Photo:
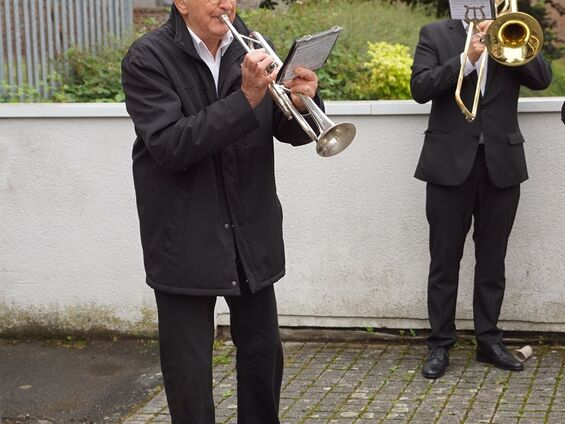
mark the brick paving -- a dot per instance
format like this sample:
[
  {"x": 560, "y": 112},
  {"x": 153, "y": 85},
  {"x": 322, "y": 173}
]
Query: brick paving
[{"x": 349, "y": 383}]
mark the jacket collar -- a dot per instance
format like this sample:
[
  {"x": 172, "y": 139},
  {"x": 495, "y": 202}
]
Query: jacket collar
[
  {"x": 184, "y": 40},
  {"x": 458, "y": 30},
  {"x": 182, "y": 36},
  {"x": 232, "y": 56}
]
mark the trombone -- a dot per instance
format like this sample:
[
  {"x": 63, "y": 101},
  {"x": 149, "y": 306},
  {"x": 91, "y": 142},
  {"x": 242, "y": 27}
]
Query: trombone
[
  {"x": 513, "y": 39},
  {"x": 333, "y": 138}
]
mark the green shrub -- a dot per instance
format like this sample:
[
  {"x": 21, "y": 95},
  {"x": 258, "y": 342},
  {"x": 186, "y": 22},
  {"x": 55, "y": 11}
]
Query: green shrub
[
  {"x": 389, "y": 72},
  {"x": 361, "y": 20},
  {"x": 338, "y": 78},
  {"x": 92, "y": 76},
  {"x": 18, "y": 93},
  {"x": 354, "y": 70}
]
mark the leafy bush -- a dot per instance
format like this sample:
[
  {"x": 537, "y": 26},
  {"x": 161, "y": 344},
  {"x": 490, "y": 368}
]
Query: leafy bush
[
  {"x": 19, "y": 93},
  {"x": 353, "y": 71},
  {"x": 92, "y": 76},
  {"x": 338, "y": 78},
  {"x": 389, "y": 72},
  {"x": 361, "y": 20}
]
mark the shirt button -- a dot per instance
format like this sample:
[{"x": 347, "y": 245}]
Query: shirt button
[
  {"x": 226, "y": 226},
  {"x": 234, "y": 283}
]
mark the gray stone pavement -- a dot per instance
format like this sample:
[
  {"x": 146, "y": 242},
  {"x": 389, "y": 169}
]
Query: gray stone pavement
[{"x": 348, "y": 383}]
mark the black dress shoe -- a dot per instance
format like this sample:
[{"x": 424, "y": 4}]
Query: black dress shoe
[
  {"x": 436, "y": 363},
  {"x": 497, "y": 355}
]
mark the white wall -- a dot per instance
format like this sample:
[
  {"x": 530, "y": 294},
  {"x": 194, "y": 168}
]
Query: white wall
[{"x": 355, "y": 229}]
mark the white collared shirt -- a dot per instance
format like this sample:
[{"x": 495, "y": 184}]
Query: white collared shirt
[
  {"x": 469, "y": 67},
  {"x": 213, "y": 62}
]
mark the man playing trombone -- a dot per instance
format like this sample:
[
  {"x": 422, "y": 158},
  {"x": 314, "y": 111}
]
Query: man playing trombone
[
  {"x": 210, "y": 219},
  {"x": 473, "y": 172}
]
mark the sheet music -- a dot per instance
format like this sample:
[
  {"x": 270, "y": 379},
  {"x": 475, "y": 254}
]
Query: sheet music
[
  {"x": 472, "y": 10},
  {"x": 309, "y": 52}
]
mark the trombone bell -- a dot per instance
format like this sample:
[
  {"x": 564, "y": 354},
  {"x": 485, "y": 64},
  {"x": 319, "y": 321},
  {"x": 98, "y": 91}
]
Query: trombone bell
[
  {"x": 513, "y": 33},
  {"x": 515, "y": 38}
]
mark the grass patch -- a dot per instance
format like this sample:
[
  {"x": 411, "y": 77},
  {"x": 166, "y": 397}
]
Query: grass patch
[
  {"x": 345, "y": 76},
  {"x": 362, "y": 21},
  {"x": 69, "y": 342},
  {"x": 222, "y": 353}
]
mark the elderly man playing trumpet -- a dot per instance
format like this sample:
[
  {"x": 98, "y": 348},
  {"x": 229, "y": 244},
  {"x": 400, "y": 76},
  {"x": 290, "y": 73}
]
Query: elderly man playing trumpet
[
  {"x": 473, "y": 172},
  {"x": 210, "y": 219}
]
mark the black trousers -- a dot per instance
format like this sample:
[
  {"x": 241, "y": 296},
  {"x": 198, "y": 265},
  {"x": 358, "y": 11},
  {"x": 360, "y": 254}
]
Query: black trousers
[
  {"x": 449, "y": 211},
  {"x": 186, "y": 337}
]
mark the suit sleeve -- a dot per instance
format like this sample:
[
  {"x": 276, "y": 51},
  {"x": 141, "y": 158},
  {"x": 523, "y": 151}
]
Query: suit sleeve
[
  {"x": 430, "y": 78},
  {"x": 174, "y": 140},
  {"x": 535, "y": 74}
]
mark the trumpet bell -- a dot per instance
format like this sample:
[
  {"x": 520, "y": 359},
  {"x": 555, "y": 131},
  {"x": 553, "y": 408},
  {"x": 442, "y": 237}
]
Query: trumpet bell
[
  {"x": 514, "y": 39},
  {"x": 335, "y": 139}
]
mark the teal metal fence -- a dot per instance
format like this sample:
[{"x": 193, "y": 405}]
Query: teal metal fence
[{"x": 34, "y": 33}]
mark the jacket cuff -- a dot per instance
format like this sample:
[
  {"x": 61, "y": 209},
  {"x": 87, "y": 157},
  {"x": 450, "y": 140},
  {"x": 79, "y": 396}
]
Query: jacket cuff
[{"x": 241, "y": 112}]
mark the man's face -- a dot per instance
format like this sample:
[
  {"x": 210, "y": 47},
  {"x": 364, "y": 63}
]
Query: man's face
[{"x": 203, "y": 17}]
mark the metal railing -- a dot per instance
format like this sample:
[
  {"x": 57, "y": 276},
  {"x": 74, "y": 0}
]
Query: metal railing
[{"x": 34, "y": 33}]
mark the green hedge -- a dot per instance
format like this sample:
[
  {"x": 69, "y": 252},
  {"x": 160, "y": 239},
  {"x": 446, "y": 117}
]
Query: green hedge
[
  {"x": 349, "y": 71},
  {"x": 389, "y": 72},
  {"x": 371, "y": 59},
  {"x": 92, "y": 77}
]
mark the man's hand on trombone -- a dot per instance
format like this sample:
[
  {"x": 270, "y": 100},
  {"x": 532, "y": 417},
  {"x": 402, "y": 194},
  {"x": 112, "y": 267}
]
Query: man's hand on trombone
[{"x": 477, "y": 45}]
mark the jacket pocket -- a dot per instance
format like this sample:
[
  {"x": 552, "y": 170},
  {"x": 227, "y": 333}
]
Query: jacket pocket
[
  {"x": 515, "y": 138},
  {"x": 175, "y": 226}
]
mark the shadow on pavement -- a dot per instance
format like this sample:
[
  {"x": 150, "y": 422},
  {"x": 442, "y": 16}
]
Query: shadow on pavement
[{"x": 75, "y": 381}]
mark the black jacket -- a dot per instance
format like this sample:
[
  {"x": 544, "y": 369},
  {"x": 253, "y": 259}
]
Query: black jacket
[
  {"x": 450, "y": 142},
  {"x": 203, "y": 167}
]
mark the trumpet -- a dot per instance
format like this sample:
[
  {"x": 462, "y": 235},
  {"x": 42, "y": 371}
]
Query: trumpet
[
  {"x": 331, "y": 138},
  {"x": 513, "y": 39}
]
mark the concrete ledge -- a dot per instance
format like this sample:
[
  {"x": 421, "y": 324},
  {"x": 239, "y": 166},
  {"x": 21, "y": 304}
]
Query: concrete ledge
[
  {"x": 356, "y": 236},
  {"x": 63, "y": 110},
  {"x": 334, "y": 108}
]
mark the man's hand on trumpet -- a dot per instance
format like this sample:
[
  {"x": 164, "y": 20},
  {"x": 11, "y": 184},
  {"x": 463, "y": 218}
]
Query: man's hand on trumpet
[
  {"x": 305, "y": 82},
  {"x": 255, "y": 79},
  {"x": 254, "y": 76}
]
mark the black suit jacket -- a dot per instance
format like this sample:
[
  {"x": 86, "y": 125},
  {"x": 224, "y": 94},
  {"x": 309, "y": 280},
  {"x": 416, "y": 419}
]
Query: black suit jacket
[{"x": 450, "y": 142}]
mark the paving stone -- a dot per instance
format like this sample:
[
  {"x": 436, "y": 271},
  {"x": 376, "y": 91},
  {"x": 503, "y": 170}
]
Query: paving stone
[{"x": 333, "y": 383}]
